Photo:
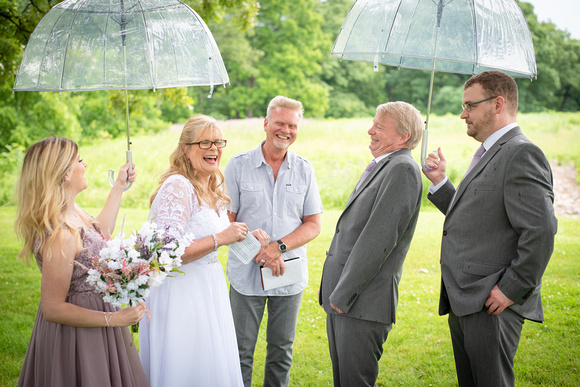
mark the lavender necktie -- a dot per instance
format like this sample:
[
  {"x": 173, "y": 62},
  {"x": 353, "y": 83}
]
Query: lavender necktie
[
  {"x": 476, "y": 157},
  {"x": 366, "y": 172}
]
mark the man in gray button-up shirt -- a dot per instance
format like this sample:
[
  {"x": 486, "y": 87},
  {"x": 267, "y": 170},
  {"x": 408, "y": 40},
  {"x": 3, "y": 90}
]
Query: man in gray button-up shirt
[{"x": 274, "y": 189}]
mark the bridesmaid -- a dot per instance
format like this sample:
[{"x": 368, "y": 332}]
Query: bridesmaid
[{"x": 77, "y": 339}]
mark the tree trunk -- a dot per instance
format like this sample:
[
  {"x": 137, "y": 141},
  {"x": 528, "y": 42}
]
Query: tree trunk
[
  {"x": 250, "y": 111},
  {"x": 565, "y": 98}
]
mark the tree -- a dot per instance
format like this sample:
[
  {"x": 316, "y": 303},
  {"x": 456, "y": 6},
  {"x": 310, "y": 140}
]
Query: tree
[
  {"x": 26, "y": 117},
  {"x": 557, "y": 58},
  {"x": 280, "y": 55},
  {"x": 94, "y": 112}
]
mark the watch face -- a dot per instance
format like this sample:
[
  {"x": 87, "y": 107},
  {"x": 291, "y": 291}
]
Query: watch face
[{"x": 282, "y": 246}]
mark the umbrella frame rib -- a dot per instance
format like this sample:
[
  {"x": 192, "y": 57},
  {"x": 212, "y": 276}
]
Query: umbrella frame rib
[{"x": 138, "y": 8}]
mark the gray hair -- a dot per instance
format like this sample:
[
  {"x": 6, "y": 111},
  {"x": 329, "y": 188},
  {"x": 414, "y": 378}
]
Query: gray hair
[
  {"x": 408, "y": 120},
  {"x": 285, "y": 102}
]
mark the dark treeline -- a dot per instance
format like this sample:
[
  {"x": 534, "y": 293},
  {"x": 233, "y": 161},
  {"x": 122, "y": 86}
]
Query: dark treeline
[{"x": 269, "y": 48}]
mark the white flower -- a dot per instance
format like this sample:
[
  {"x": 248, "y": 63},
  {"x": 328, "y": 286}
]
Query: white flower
[
  {"x": 113, "y": 265},
  {"x": 133, "y": 254},
  {"x": 123, "y": 300},
  {"x": 141, "y": 280},
  {"x": 171, "y": 246},
  {"x": 165, "y": 260},
  {"x": 156, "y": 278},
  {"x": 143, "y": 292}
]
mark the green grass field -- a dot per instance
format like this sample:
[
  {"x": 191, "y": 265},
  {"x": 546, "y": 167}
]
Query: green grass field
[{"x": 418, "y": 351}]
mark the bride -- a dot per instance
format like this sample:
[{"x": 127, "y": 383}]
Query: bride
[{"x": 190, "y": 338}]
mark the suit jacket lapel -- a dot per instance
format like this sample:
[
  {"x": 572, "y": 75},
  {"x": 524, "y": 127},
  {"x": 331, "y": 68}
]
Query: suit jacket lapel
[
  {"x": 485, "y": 159},
  {"x": 376, "y": 170}
]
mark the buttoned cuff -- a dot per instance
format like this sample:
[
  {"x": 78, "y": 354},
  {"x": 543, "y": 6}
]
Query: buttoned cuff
[{"x": 435, "y": 188}]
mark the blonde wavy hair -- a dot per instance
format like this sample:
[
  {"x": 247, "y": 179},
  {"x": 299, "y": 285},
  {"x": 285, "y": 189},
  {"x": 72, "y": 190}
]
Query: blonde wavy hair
[
  {"x": 41, "y": 194},
  {"x": 179, "y": 164}
]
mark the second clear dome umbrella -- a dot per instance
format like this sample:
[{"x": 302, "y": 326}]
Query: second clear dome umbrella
[
  {"x": 82, "y": 45},
  {"x": 458, "y": 36}
]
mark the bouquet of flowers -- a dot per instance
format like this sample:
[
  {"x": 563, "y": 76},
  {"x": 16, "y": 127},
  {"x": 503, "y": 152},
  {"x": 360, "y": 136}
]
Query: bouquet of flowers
[{"x": 128, "y": 267}]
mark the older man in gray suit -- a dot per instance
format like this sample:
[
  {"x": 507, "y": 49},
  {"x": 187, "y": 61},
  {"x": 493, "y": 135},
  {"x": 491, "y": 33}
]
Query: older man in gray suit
[
  {"x": 365, "y": 261},
  {"x": 498, "y": 234}
]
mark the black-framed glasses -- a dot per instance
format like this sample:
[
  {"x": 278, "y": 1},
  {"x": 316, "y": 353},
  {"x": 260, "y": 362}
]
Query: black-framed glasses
[
  {"x": 469, "y": 105},
  {"x": 206, "y": 144}
]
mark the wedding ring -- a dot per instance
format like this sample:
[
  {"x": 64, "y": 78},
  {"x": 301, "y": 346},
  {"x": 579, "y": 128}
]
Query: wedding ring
[{"x": 262, "y": 261}]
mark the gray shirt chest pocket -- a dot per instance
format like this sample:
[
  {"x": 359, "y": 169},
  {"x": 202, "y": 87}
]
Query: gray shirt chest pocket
[
  {"x": 295, "y": 196},
  {"x": 252, "y": 194}
]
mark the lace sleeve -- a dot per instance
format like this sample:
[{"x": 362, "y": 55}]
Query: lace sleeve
[{"x": 174, "y": 205}]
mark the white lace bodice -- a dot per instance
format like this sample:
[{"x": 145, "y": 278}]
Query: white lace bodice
[{"x": 176, "y": 205}]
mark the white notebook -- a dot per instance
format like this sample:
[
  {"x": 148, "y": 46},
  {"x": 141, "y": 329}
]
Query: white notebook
[{"x": 292, "y": 275}]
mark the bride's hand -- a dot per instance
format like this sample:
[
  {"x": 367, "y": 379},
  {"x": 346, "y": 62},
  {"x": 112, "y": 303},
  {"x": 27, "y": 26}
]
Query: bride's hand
[{"x": 235, "y": 232}]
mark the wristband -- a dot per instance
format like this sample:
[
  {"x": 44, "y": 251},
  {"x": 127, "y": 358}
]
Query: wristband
[
  {"x": 215, "y": 244},
  {"x": 108, "y": 320}
]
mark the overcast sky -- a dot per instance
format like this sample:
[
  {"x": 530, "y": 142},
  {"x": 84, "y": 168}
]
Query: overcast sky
[{"x": 563, "y": 13}]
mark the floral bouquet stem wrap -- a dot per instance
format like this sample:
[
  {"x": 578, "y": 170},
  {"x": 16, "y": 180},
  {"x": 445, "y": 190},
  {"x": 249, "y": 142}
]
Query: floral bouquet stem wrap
[{"x": 127, "y": 267}]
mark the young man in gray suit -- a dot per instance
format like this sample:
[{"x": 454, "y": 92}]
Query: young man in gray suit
[
  {"x": 498, "y": 234},
  {"x": 365, "y": 260}
]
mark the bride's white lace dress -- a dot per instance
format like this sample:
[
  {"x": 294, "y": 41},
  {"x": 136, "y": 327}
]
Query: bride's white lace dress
[{"x": 190, "y": 339}]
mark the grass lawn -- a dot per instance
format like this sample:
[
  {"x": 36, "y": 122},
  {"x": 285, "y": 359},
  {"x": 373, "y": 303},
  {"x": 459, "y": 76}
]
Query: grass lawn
[{"x": 418, "y": 351}]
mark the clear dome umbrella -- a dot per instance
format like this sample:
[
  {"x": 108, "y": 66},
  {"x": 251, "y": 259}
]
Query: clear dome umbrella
[
  {"x": 457, "y": 36},
  {"x": 82, "y": 45}
]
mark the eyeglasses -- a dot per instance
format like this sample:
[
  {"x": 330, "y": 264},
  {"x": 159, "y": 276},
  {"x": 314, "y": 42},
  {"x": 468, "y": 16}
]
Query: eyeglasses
[
  {"x": 469, "y": 105},
  {"x": 206, "y": 144}
]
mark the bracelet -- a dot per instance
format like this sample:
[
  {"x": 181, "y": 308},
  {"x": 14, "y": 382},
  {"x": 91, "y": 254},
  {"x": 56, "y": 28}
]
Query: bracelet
[
  {"x": 215, "y": 244},
  {"x": 108, "y": 320}
]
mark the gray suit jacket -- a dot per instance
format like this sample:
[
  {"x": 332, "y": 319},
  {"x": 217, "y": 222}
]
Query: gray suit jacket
[
  {"x": 499, "y": 229},
  {"x": 364, "y": 264}
]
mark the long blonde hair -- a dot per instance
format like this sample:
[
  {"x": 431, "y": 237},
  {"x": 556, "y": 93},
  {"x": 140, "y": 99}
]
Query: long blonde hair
[
  {"x": 179, "y": 164},
  {"x": 41, "y": 195}
]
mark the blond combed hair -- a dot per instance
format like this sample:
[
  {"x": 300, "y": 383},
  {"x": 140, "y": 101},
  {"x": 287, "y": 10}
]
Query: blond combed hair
[
  {"x": 284, "y": 102},
  {"x": 179, "y": 164},
  {"x": 41, "y": 194},
  {"x": 408, "y": 120}
]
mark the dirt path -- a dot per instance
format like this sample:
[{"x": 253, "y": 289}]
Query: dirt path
[{"x": 566, "y": 191}]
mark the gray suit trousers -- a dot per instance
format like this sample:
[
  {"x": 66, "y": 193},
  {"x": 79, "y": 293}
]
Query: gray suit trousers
[
  {"x": 280, "y": 332},
  {"x": 356, "y": 346},
  {"x": 484, "y": 347}
]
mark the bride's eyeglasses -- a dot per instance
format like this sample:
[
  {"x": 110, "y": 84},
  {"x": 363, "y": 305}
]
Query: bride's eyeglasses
[{"x": 206, "y": 144}]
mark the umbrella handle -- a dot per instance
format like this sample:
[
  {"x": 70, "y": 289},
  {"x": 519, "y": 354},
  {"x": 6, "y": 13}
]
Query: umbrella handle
[
  {"x": 424, "y": 145},
  {"x": 112, "y": 171}
]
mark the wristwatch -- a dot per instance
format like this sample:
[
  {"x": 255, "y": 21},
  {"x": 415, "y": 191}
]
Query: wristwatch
[{"x": 282, "y": 246}]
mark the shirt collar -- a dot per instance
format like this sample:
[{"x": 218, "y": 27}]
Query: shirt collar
[
  {"x": 379, "y": 158},
  {"x": 492, "y": 139},
  {"x": 258, "y": 157}
]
